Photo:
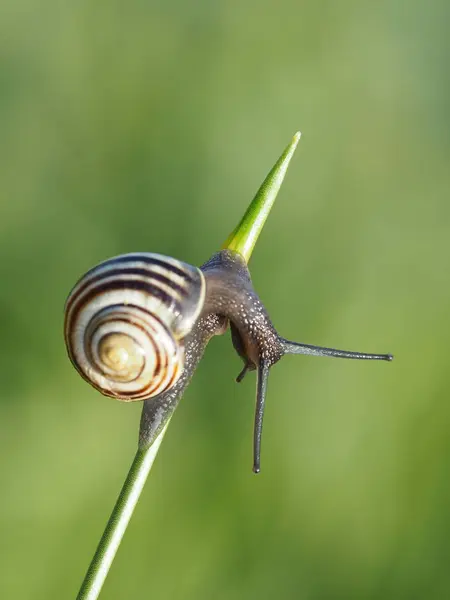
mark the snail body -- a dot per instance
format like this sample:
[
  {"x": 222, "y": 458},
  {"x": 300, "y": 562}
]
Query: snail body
[{"x": 136, "y": 327}]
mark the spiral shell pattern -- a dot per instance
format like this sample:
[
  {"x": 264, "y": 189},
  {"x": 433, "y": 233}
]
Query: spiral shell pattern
[{"x": 125, "y": 321}]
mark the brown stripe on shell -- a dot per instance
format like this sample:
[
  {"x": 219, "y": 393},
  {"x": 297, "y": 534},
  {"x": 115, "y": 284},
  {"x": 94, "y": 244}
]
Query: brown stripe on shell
[
  {"x": 76, "y": 304},
  {"x": 178, "y": 287},
  {"x": 149, "y": 259},
  {"x": 146, "y": 274}
]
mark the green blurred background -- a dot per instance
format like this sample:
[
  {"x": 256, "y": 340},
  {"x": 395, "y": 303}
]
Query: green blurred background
[{"x": 149, "y": 126}]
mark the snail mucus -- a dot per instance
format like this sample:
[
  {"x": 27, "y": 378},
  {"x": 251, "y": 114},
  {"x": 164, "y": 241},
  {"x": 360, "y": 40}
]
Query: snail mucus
[{"x": 136, "y": 327}]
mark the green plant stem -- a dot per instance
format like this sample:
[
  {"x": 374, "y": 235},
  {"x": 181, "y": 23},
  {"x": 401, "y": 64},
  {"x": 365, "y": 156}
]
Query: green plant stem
[
  {"x": 242, "y": 240},
  {"x": 118, "y": 521},
  {"x": 244, "y": 237}
]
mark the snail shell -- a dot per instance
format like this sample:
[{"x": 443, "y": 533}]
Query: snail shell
[{"x": 125, "y": 321}]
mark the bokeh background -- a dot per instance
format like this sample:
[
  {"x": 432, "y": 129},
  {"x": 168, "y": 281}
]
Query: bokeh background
[{"x": 149, "y": 126}]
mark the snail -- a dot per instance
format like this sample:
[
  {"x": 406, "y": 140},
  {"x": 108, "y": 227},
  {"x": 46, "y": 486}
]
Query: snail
[{"x": 136, "y": 326}]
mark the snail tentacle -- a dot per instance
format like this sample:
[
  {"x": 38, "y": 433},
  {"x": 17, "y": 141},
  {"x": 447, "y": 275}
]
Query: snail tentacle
[
  {"x": 247, "y": 367},
  {"x": 297, "y": 348},
  {"x": 261, "y": 391}
]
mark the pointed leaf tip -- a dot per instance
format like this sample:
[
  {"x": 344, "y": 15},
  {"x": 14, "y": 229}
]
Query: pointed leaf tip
[{"x": 245, "y": 236}]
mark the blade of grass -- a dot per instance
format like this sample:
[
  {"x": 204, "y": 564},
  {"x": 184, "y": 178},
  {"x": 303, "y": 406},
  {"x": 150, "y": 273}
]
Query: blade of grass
[
  {"x": 242, "y": 240},
  {"x": 245, "y": 236},
  {"x": 119, "y": 519}
]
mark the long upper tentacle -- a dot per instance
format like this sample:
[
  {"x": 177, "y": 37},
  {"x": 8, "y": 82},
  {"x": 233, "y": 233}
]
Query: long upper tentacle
[
  {"x": 297, "y": 348},
  {"x": 261, "y": 391}
]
